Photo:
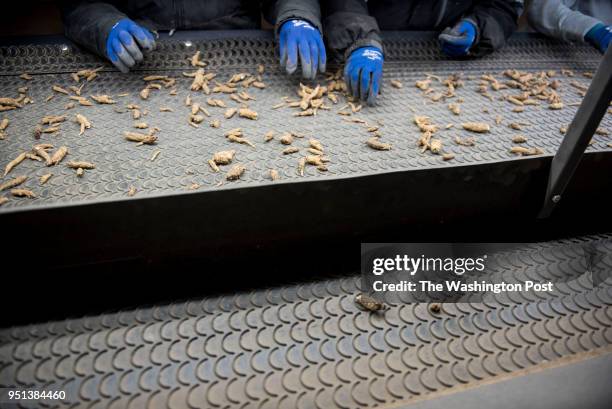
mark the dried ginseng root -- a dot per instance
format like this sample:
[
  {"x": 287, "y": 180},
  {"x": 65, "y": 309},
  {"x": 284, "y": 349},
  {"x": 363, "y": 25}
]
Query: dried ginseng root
[
  {"x": 199, "y": 81},
  {"x": 247, "y": 113},
  {"x": 82, "y": 100},
  {"x": 235, "y": 172},
  {"x": 301, "y": 166},
  {"x": 224, "y": 88},
  {"x": 519, "y": 139},
  {"x": 517, "y": 126},
  {"x": 368, "y": 303},
  {"x": 316, "y": 160},
  {"x": 556, "y": 106},
  {"x": 23, "y": 193},
  {"x": 3, "y": 200},
  {"x": 88, "y": 74},
  {"x": 83, "y": 122},
  {"x": 142, "y": 139},
  {"x": 374, "y": 143},
  {"x": 216, "y": 103},
  {"x": 81, "y": 164},
  {"x": 59, "y": 155},
  {"x": 424, "y": 124},
  {"x": 229, "y": 113},
  {"x": 396, "y": 84},
  {"x": 269, "y": 136},
  {"x": 3, "y": 125},
  {"x": 60, "y": 90},
  {"x": 80, "y": 167},
  {"x": 478, "y": 127},
  {"x": 45, "y": 178},
  {"x": 315, "y": 144},
  {"x": 274, "y": 174},
  {"x": 448, "y": 156},
  {"x": 526, "y": 151},
  {"x": 223, "y": 157},
  {"x": 435, "y": 146},
  {"x": 11, "y": 165},
  {"x": 286, "y": 138},
  {"x": 41, "y": 151},
  {"x": 103, "y": 99},
  {"x": 308, "y": 112},
  {"x": 9, "y": 184},
  {"x": 455, "y": 108},
  {"x": 53, "y": 119},
  {"x": 290, "y": 150},
  {"x": 213, "y": 165},
  {"x": 195, "y": 60},
  {"x": 465, "y": 141},
  {"x": 235, "y": 135},
  {"x": 423, "y": 85}
]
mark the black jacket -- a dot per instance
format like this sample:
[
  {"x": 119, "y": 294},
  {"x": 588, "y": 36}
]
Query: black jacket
[
  {"x": 350, "y": 24},
  {"x": 88, "y": 22}
]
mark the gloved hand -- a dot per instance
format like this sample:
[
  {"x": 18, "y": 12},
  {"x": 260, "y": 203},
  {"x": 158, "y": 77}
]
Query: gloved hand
[
  {"x": 300, "y": 36},
  {"x": 362, "y": 73},
  {"x": 600, "y": 36},
  {"x": 456, "y": 41},
  {"x": 124, "y": 43}
]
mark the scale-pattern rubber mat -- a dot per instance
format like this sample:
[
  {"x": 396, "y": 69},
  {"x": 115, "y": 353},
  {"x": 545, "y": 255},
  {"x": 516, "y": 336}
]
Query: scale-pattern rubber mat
[
  {"x": 310, "y": 346},
  {"x": 182, "y": 164}
]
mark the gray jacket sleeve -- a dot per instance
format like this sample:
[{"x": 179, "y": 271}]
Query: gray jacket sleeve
[
  {"x": 556, "y": 19},
  {"x": 88, "y": 23},
  {"x": 348, "y": 26},
  {"x": 496, "y": 21},
  {"x": 278, "y": 12}
]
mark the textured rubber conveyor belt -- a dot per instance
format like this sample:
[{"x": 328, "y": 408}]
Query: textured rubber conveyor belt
[
  {"x": 181, "y": 166},
  {"x": 310, "y": 346}
]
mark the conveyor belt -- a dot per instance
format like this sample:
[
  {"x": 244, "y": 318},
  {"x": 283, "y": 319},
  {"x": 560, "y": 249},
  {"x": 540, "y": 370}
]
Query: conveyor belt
[
  {"x": 185, "y": 150},
  {"x": 309, "y": 346}
]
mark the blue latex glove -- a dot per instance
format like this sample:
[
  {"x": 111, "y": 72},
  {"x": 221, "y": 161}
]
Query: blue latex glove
[
  {"x": 600, "y": 36},
  {"x": 362, "y": 73},
  {"x": 124, "y": 43},
  {"x": 299, "y": 36},
  {"x": 456, "y": 41}
]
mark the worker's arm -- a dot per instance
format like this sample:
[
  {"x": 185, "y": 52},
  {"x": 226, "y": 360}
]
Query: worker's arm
[
  {"x": 353, "y": 36},
  {"x": 349, "y": 26},
  {"x": 556, "y": 19},
  {"x": 297, "y": 28},
  {"x": 103, "y": 29},
  {"x": 485, "y": 29}
]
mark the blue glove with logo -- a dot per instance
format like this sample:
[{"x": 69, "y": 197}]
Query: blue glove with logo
[
  {"x": 600, "y": 36},
  {"x": 456, "y": 41},
  {"x": 362, "y": 73},
  {"x": 124, "y": 43},
  {"x": 299, "y": 36}
]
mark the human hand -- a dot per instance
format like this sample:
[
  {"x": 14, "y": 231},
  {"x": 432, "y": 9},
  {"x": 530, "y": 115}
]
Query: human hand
[
  {"x": 124, "y": 44},
  {"x": 456, "y": 41},
  {"x": 300, "y": 37},
  {"x": 362, "y": 73}
]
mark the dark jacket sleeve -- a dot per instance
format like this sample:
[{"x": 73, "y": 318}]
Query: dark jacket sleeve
[
  {"x": 348, "y": 26},
  {"x": 278, "y": 12},
  {"x": 496, "y": 21},
  {"x": 88, "y": 23}
]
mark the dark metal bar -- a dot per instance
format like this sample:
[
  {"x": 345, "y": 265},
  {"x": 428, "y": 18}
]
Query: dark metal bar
[{"x": 579, "y": 133}]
